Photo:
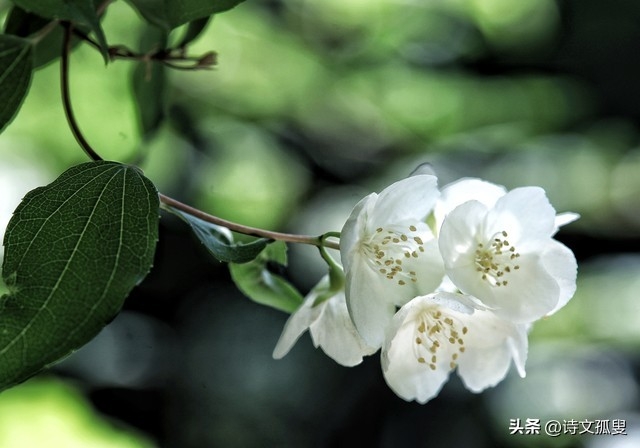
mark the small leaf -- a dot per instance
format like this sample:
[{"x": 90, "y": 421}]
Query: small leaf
[
  {"x": 219, "y": 241},
  {"x": 170, "y": 14},
  {"x": 261, "y": 285},
  {"x": 73, "y": 251},
  {"x": 81, "y": 12},
  {"x": 16, "y": 67}
]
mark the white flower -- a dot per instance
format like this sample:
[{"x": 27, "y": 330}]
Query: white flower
[
  {"x": 463, "y": 190},
  {"x": 502, "y": 252},
  {"x": 468, "y": 189},
  {"x": 330, "y": 327},
  {"x": 433, "y": 334},
  {"x": 389, "y": 254}
]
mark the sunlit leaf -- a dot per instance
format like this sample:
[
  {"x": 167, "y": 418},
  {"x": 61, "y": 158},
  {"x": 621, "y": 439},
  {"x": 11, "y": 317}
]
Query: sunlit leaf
[
  {"x": 54, "y": 414},
  {"x": 170, "y": 14},
  {"x": 16, "y": 67},
  {"x": 73, "y": 251},
  {"x": 219, "y": 241},
  {"x": 261, "y": 285},
  {"x": 82, "y": 12}
]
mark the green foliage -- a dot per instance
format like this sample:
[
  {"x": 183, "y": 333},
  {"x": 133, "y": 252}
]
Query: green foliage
[
  {"x": 81, "y": 12},
  {"x": 219, "y": 242},
  {"x": 262, "y": 286},
  {"x": 73, "y": 251},
  {"x": 170, "y": 14},
  {"x": 16, "y": 67},
  {"x": 24, "y": 24},
  {"x": 54, "y": 414}
]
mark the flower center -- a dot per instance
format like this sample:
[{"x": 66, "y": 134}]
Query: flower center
[
  {"x": 387, "y": 250},
  {"x": 432, "y": 334},
  {"x": 496, "y": 259}
]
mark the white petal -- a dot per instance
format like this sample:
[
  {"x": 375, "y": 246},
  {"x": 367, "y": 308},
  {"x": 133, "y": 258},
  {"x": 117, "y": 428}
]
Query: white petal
[
  {"x": 463, "y": 190},
  {"x": 370, "y": 304},
  {"x": 335, "y": 333},
  {"x": 561, "y": 264},
  {"x": 297, "y": 324},
  {"x": 430, "y": 269},
  {"x": 531, "y": 292},
  {"x": 491, "y": 343},
  {"x": 407, "y": 200},
  {"x": 484, "y": 367},
  {"x": 355, "y": 228},
  {"x": 458, "y": 234},
  {"x": 408, "y": 378},
  {"x": 525, "y": 213},
  {"x": 519, "y": 345},
  {"x": 562, "y": 219},
  {"x": 459, "y": 303}
]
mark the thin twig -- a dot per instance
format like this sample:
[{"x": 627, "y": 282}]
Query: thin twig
[
  {"x": 66, "y": 97},
  {"x": 247, "y": 230},
  {"x": 240, "y": 228},
  {"x": 166, "y": 56}
]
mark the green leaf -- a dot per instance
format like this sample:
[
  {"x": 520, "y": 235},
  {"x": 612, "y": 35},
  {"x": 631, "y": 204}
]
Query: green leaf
[
  {"x": 81, "y": 12},
  {"x": 16, "y": 67},
  {"x": 170, "y": 14},
  {"x": 24, "y": 24},
  {"x": 73, "y": 251},
  {"x": 219, "y": 241},
  {"x": 149, "y": 83},
  {"x": 262, "y": 286}
]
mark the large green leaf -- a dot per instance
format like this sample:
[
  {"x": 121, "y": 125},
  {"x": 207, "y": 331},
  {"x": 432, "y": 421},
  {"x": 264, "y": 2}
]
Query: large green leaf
[
  {"x": 16, "y": 67},
  {"x": 170, "y": 14},
  {"x": 73, "y": 251},
  {"x": 219, "y": 240},
  {"x": 261, "y": 285},
  {"x": 81, "y": 12}
]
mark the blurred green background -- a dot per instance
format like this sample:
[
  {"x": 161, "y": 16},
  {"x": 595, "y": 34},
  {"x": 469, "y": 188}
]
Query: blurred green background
[{"x": 313, "y": 105}]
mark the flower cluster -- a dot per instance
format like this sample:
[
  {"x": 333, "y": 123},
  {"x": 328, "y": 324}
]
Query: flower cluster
[{"x": 441, "y": 280}]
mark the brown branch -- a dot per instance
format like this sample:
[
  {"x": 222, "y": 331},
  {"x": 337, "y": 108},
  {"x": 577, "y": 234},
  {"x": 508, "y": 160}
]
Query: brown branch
[
  {"x": 66, "y": 97},
  {"x": 247, "y": 230}
]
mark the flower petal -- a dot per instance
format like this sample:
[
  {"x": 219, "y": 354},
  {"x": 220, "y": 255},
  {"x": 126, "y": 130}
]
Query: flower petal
[
  {"x": 409, "y": 379},
  {"x": 531, "y": 292},
  {"x": 459, "y": 231},
  {"x": 354, "y": 229},
  {"x": 410, "y": 199},
  {"x": 525, "y": 213},
  {"x": 430, "y": 269},
  {"x": 371, "y": 307},
  {"x": 297, "y": 324},
  {"x": 413, "y": 367},
  {"x": 562, "y": 219},
  {"x": 561, "y": 264},
  {"x": 488, "y": 356},
  {"x": 335, "y": 333},
  {"x": 463, "y": 190}
]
